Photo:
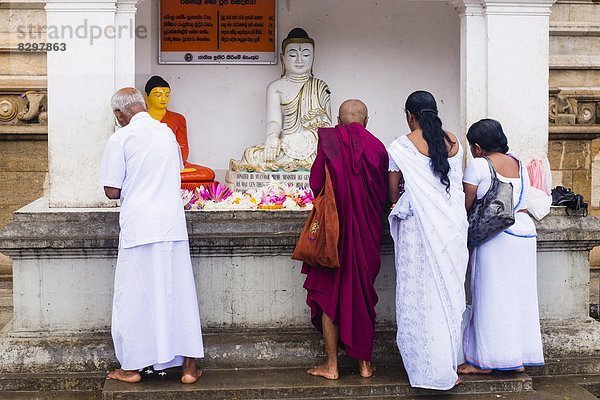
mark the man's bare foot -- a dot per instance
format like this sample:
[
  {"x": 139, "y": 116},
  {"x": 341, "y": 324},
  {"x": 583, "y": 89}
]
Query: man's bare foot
[
  {"x": 469, "y": 369},
  {"x": 125, "y": 376},
  {"x": 458, "y": 382},
  {"x": 522, "y": 369},
  {"x": 190, "y": 371},
  {"x": 326, "y": 371},
  {"x": 366, "y": 369}
]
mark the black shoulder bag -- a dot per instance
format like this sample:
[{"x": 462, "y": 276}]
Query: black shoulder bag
[{"x": 491, "y": 214}]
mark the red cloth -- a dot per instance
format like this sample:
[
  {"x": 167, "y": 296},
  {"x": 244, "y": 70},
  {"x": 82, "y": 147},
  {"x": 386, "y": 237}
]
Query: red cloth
[
  {"x": 178, "y": 125},
  {"x": 358, "y": 163}
]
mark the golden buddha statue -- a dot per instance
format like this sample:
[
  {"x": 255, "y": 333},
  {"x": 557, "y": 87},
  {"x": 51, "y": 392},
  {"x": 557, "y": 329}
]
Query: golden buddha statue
[{"x": 158, "y": 93}]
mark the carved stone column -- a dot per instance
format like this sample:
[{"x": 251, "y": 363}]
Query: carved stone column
[
  {"x": 125, "y": 43},
  {"x": 504, "y": 46}
]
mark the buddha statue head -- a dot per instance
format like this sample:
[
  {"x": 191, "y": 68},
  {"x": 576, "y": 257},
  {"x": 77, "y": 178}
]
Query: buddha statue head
[
  {"x": 297, "y": 53},
  {"x": 158, "y": 93}
]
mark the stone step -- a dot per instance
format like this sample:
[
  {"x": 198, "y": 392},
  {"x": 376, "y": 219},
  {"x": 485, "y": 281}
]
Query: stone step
[
  {"x": 33, "y": 395},
  {"x": 98, "y": 396},
  {"x": 224, "y": 349},
  {"x": 295, "y": 383},
  {"x": 563, "y": 387},
  {"x": 589, "y": 383},
  {"x": 283, "y": 348},
  {"x": 566, "y": 366},
  {"x": 53, "y": 382},
  {"x": 546, "y": 388},
  {"x": 227, "y": 350}
]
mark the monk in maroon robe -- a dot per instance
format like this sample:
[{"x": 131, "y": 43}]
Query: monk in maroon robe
[{"x": 342, "y": 300}]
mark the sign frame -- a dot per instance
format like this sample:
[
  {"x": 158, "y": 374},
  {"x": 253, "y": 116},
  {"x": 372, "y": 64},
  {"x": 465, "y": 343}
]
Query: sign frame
[{"x": 219, "y": 62}]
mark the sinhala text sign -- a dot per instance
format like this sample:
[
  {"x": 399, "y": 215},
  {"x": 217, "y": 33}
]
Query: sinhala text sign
[{"x": 217, "y": 32}]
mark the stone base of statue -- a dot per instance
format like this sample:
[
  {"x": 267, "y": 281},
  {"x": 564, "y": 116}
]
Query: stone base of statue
[{"x": 242, "y": 181}]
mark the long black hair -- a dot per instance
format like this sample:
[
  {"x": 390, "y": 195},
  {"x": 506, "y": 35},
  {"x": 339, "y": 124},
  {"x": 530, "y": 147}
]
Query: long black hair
[
  {"x": 423, "y": 107},
  {"x": 489, "y": 135}
]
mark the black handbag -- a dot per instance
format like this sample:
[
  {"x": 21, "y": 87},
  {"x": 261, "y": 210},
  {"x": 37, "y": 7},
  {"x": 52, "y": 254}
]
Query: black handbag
[
  {"x": 491, "y": 214},
  {"x": 562, "y": 196}
]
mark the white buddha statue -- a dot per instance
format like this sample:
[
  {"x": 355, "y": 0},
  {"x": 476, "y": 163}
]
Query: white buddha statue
[{"x": 297, "y": 105}]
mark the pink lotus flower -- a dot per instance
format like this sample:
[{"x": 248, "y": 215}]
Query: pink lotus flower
[
  {"x": 306, "y": 197},
  {"x": 272, "y": 197},
  {"x": 215, "y": 192}
]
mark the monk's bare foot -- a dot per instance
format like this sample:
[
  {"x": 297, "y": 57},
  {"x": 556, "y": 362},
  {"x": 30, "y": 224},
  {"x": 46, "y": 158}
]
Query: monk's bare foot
[
  {"x": 458, "y": 382},
  {"x": 125, "y": 376},
  {"x": 326, "y": 371},
  {"x": 469, "y": 369},
  {"x": 366, "y": 369},
  {"x": 522, "y": 369},
  {"x": 190, "y": 371}
]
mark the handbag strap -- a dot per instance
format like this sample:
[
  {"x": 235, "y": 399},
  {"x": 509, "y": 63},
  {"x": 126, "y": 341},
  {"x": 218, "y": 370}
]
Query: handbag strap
[
  {"x": 492, "y": 168},
  {"x": 328, "y": 182},
  {"x": 495, "y": 178}
]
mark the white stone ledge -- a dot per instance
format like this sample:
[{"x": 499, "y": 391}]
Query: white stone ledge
[
  {"x": 574, "y": 62},
  {"x": 574, "y": 28},
  {"x": 38, "y": 231}
]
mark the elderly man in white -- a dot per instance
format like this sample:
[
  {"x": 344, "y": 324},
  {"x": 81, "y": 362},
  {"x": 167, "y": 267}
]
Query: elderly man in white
[{"x": 155, "y": 317}]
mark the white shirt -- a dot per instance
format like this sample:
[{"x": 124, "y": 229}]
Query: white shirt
[
  {"x": 478, "y": 174},
  {"x": 143, "y": 159}
]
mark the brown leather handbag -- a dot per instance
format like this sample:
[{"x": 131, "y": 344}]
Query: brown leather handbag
[{"x": 318, "y": 242}]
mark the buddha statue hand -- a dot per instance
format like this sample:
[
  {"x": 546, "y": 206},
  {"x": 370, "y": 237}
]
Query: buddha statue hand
[{"x": 272, "y": 147}]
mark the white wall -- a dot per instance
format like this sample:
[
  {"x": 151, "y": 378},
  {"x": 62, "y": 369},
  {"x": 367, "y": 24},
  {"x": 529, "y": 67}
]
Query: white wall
[{"x": 376, "y": 51}]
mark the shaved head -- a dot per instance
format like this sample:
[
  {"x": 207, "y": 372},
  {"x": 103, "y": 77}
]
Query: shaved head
[{"x": 353, "y": 111}]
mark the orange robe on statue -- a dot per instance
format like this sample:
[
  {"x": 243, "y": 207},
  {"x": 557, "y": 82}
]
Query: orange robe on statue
[{"x": 200, "y": 175}]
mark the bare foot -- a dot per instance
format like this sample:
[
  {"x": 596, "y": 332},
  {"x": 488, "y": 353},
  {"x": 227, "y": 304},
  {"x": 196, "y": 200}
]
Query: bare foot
[
  {"x": 190, "y": 371},
  {"x": 326, "y": 371},
  {"x": 522, "y": 369},
  {"x": 469, "y": 369},
  {"x": 458, "y": 382},
  {"x": 125, "y": 376},
  {"x": 366, "y": 369}
]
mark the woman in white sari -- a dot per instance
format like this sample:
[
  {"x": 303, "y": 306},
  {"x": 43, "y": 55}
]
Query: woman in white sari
[
  {"x": 429, "y": 227},
  {"x": 504, "y": 330}
]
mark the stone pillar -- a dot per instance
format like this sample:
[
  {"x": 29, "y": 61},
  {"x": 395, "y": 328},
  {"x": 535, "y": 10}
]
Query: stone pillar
[
  {"x": 473, "y": 53},
  {"x": 504, "y": 48},
  {"x": 81, "y": 81},
  {"x": 125, "y": 43}
]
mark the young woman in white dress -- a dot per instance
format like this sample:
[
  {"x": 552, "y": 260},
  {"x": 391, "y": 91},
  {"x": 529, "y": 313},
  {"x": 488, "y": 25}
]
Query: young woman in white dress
[
  {"x": 504, "y": 330},
  {"x": 429, "y": 227}
]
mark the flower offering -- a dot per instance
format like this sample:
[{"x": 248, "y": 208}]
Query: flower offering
[{"x": 274, "y": 196}]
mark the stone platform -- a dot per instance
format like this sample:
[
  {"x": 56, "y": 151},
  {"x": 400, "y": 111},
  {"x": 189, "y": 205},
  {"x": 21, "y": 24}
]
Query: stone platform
[{"x": 250, "y": 294}]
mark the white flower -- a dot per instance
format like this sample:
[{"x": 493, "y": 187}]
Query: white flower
[{"x": 290, "y": 204}]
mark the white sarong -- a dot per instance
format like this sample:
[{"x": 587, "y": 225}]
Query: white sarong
[
  {"x": 429, "y": 227},
  {"x": 504, "y": 330},
  {"x": 155, "y": 318}
]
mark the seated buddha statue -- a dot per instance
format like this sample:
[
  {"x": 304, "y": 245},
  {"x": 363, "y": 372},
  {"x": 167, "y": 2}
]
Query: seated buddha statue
[
  {"x": 158, "y": 93},
  {"x": 298, "y": 104}
]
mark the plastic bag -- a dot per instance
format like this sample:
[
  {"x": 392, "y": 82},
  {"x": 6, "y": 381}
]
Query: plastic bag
[
  {"x": 540, "y": 175},
  {"x": 538, "y": 203}
]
